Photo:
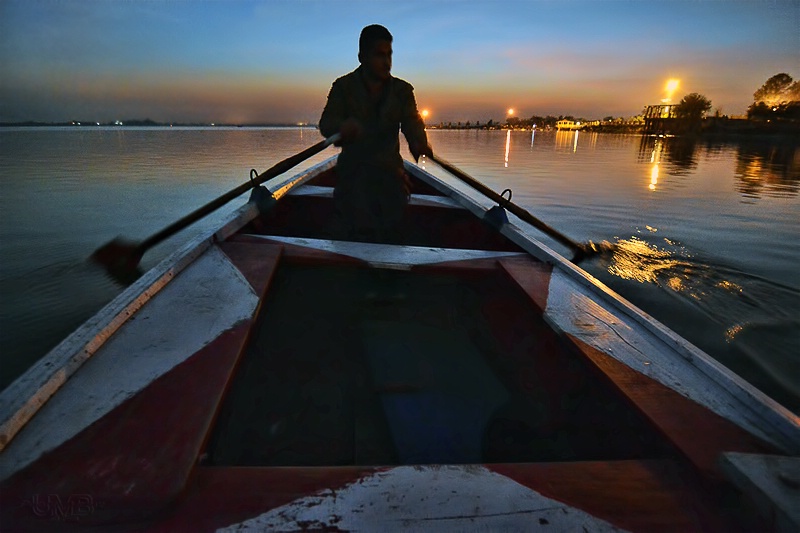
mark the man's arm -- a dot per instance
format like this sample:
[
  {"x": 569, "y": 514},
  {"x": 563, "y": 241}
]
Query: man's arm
[
  {"x": 413, "y": 127},
  {"x": 334, "y": 117}
]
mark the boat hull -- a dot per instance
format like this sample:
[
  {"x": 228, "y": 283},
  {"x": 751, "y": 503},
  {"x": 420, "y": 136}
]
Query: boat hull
[{"x": 267, "y": 376}]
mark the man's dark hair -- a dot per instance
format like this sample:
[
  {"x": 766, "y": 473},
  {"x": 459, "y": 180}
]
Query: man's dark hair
[{"x": 370, "y": 35}]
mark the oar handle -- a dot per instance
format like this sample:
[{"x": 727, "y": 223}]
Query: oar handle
[
  {"x": 509, "y": 205},
  {"x": 213, "y": 205}
]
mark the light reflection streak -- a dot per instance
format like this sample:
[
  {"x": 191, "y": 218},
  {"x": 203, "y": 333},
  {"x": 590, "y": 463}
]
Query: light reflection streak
[
  {"x": 655, "y": 159},
  {"x": 654, "y": 177},
  {"x": 508, "y": 145},
  {"x": 565, "y": 141},
  {"x": 593, "y": 136}
]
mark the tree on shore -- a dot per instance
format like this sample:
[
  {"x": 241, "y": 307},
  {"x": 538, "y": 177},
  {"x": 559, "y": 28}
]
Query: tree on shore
[
  {"x": 778, "y": 98},
  {"x": 779, "y": 89},
  {"x": 690, "y": 111},
  {"x": 692, "y": 107}
]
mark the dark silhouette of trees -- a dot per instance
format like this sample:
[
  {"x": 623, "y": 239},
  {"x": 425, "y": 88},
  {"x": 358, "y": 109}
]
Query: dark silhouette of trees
[
  {"x": 778, "y": 98},
  {"x": 777, "y": 90},
  {"x": 692, "y": 107},
  {"x": 690, "y": 112}
]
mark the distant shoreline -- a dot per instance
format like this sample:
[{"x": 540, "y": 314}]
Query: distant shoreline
[
  {"x": 712, "y": 129},
  {"x": 148, "y": 124}
]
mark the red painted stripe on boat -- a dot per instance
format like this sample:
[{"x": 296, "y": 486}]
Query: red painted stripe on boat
[
  {"x": 532, "y": 276},
  {"x": 256, "y": 262},
  {"x": 699, "y": 433},
  {"x": 638, "y": 495},
  {"x": 136, "y": 459},
  {"x": 527, "y": 344},
  {"x": 221, "y": 496}
]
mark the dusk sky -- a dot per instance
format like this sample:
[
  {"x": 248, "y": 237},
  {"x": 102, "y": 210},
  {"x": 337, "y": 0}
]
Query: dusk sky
[{"x": 274, "y": 61}]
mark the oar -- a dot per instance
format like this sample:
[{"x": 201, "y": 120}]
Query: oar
[
  {"x": 121, "y": 258},
  {"x": 581, "y": 250}
]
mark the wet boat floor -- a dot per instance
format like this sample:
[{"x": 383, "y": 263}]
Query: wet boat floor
[{"x": 356, "y": 366}]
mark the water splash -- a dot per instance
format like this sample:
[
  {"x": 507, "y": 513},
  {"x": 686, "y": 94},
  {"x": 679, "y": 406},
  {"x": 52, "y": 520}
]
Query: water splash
[
  {"x": 636, "y": 259},
  {"x": 757, "y": 317}
]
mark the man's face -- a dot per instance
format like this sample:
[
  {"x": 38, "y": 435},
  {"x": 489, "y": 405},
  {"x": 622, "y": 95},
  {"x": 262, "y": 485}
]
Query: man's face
[{"x": 378, "y": 61}]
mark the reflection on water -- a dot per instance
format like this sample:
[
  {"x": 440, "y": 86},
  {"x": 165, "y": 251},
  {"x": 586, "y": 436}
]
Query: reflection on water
[
  {"x": 508, "y": 146},
  {"x": 768, "y": 170},
  {"x": 762, "y": 168},
  {"x": 655, "y": 160},
  {"x": 567, "y": 141},
  {"x": 677, "y": 152},
  {"x": 758, "y": 316},
  {"x": 638, "y": 260}
]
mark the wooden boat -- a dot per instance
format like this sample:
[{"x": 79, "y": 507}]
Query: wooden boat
[{"x": 463, "y": 377}]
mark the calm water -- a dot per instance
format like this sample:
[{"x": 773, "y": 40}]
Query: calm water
[{"x": 708, "y": 234}]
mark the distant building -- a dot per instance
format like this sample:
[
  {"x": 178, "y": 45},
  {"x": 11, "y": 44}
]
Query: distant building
[
  {"x": 569, "y": 125},
  {"x": 660, "y": 111},
  {"x": 659, "y": 118}
]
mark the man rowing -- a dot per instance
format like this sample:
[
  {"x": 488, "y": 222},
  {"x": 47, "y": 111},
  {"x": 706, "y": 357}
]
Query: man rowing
[{"x": 368, "y": 106}]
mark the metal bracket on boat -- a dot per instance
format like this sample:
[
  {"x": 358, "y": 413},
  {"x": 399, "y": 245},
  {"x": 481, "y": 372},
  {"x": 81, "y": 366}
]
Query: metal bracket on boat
[
  {"x": 261, "y": 196},
  {"x": 497, "y": 216}
]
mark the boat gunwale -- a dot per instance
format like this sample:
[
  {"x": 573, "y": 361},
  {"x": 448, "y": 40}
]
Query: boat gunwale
[
  {"x": 29, "y": 392},
  {"x": 764, "y": 408}
]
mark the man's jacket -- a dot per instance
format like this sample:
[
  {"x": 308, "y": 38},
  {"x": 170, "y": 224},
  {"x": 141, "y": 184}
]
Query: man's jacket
[{"x": 379, "y": 146}]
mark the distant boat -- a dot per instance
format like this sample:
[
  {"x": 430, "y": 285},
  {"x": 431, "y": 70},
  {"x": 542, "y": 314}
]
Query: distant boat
[{"x": 569, "y": 125}]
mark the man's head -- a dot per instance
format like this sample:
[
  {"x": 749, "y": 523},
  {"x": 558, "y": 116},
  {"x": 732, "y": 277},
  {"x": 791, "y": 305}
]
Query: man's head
[{"x": 375, "y": 51}]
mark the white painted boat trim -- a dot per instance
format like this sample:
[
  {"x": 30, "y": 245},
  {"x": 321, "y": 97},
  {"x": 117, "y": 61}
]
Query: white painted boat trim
[
  {"x": 281, "y": 186},
  {"x": 415, "y": 199},
  {"x": 389, "y": 256},
  {"x": 772, "y": 482},
  {"x": 753, "y": 408},
  {"x": 427, "y": 499},
  {"x": 208, "y": 298},
  {"x": 27, "y": 394}
]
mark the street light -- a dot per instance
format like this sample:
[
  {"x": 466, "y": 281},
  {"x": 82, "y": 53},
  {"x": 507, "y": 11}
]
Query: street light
[{"x": 671, "y": 87}]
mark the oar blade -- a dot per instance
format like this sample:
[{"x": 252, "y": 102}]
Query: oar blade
[
  {"x": 592, "y": 249},
  {"x": 120, "y": 259}
]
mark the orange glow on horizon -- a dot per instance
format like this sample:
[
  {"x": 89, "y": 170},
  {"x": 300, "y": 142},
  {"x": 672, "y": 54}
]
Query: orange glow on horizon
[{"x": 425, "y": 113}]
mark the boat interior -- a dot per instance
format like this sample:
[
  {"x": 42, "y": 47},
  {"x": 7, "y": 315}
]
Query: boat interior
[{"x": 443, "y": 363}]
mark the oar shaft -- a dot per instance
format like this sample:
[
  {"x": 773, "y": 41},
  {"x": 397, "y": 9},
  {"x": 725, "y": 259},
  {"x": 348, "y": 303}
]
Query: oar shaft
[
  {"x": 508, "y": 204},
  {"x": 213, "y": 205}
]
